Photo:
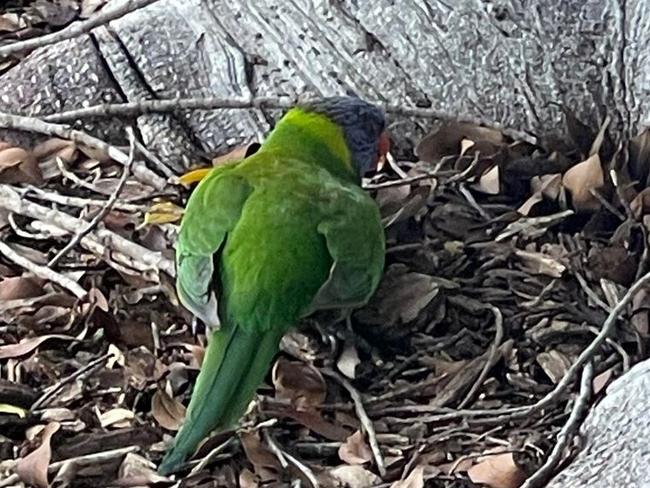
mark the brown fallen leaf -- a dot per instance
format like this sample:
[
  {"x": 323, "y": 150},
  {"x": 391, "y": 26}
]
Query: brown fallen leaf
[
  {"x": 640, "y": 205},
  {"x": 240, "y": 152},
  {"x": 55, "y": 148},
  {"x": 265, "y": 463},
  {"x": 543, "y": 187},
  {"x": 489, "y": 182},
  {"x": 136, "y": 470},
  {"x": 401, "y": 296},
  {"x": 19, "y": 166},
  {"x": 167, "y": 411},
  {"x": 447, "y": 140},
  {"x": 602, "y": 380},
  {"x": 300, "y": 383},
  {"x": 247, "y": 479},
  {"x": 17, "y": 287},
  {"x": 354, "y": 476},
  {"x": 314, "y": 421},
  {"x": 348, "y": 361},
  {"x": 28, "y": 345},
  {"x": 540, "y": 263},
  {"x": 11, "y": 22},
  {"x": 580, "y": 179},
  {"x": 116, "y": 417},
  {"x": 415, "y": 479},
  {"x": 497, "y": 471},
  {"x": 355, "y": 450},
  {"x": 614, "y": 262},
  {"x": 554, "y": 363},
  {"x": 32, "y": 469}
]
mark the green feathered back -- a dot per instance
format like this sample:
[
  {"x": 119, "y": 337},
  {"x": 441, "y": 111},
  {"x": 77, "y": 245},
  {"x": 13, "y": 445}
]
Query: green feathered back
[{"x": 263, "y": 243}]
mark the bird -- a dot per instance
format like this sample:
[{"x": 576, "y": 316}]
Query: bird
[{"x": 270, "y": 239}]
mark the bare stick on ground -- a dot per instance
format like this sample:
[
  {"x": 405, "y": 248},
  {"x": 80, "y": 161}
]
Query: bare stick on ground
[
  {"x": 366, "y": 423},
  {"x": 101, "y": 242},
  {"x": 107, "y": 14},
  {"x": 43, "y": 271},
  {"x": 171, "y": 105},
  {"x": 542, "y": 475},
  {"x": 32, "y": 124},
  {"x": 104, "y": 210},
  {"x": 94, "y": 459},
  {"x": 489, "y": 363},
  {"x": 49, "y": 393}
]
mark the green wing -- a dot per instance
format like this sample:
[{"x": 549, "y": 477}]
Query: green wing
[
  {"x": 355, "y": 241},
  {"x": 212, "y": 211}
]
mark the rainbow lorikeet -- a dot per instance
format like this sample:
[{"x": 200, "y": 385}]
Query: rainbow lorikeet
[{"x": 270, "y": 239}]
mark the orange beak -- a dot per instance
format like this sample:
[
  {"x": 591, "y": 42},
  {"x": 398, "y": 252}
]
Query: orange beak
[{"x": 383, "y": 149}]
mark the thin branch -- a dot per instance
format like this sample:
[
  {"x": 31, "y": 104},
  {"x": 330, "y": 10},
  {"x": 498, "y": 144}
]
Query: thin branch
[
  {"x": 101, "y": 241},
  {"x": 107, "y": 14},
  {"x": 104, "y": 210},
  {"x": 511, "y": 413},
  {"x": 210, "y": 456},
  {"x": 141, "y": 107},
  {"x": 569, "y": 429},
  {"x": 70, "y": 201},
  {"x": 366, "y": 423},
  {"x": 32, "y": 124},
  {"x": 94, "y": 459},
  {"x": 489, "y": 363},
  {"x": 43, "y": 271},
  {"x": 285, "y": 459},
  {"x": 407, "y": 181},
  {"x": 171, "y": 105},
  {"x": 155, "y": 160},
  {"x": 49, "y": 393}
]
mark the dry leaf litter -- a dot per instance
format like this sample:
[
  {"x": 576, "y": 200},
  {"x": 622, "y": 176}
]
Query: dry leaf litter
[{"x": 503, "y": 261}]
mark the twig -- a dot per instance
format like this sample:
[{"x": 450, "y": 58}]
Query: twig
[
  {"x": 472, "y": 201},
  {"x": 304, "y": 469},
  {"x": 395, "y": 167},
  {"x": 80, "y": 461},
  {"x": 489, "y": 363},
  {"x": 207, "y": 103},
  {"x": 130, "y": 109},
  {"x": 588, "y": 353},
  {"x": 153, "y": 159},
  {"x": 210, "y": 456},
  {"x": 618, "y": 348},
  {"x": 99, "y": 241},
  {"x": 366, "y": 423},
  {"x": 43, "y": 271},
  {"x": 111, "y": 12},
  {"x": 23, "y": 233},
  {"x": 71, "y": 201},
  {"x": 103, "y": 211},
  {"x": 67, "y": 174},
  {"x": 275, "y": 449},
  {"x": 512, "y": 413},
  {"x": 591, "y": 293},
  {"x": 45, "y": 398},
  {"x": 32, "y": 124},
  {"x": 409, "y": 180},
  {"x": 569, "y": 429},
  {"x": 524, "y": 224}
]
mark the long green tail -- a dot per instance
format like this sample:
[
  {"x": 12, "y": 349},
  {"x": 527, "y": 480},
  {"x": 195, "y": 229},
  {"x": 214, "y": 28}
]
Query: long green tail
[{"x": 234, "y": 365}]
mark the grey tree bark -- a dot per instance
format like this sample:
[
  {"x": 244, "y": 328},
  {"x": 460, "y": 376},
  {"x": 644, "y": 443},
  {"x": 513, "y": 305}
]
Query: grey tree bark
[{"x": 512, "y": 62}]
